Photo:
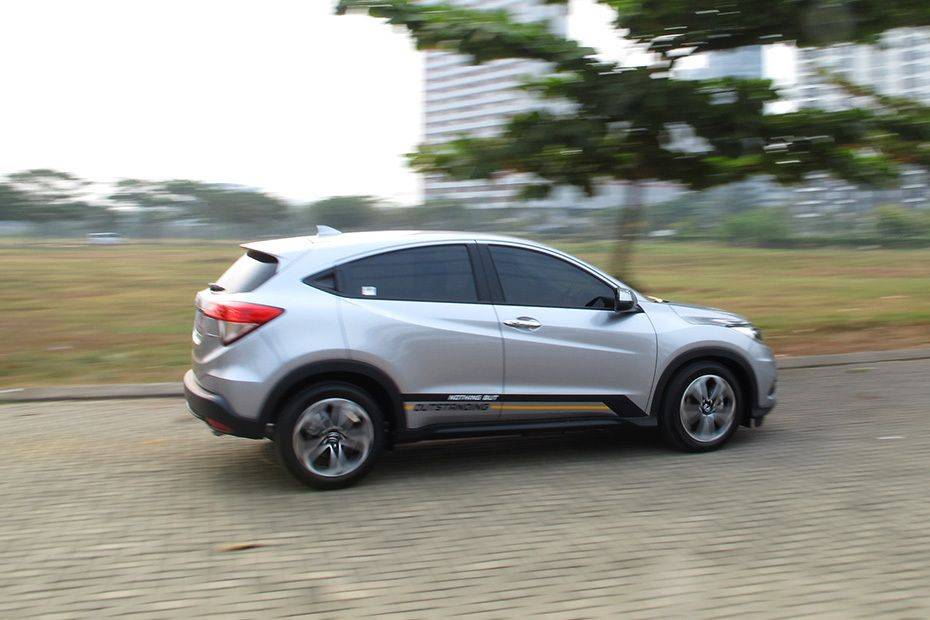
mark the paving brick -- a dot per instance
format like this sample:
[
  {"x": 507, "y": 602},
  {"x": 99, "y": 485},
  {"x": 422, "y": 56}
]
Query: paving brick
[{"x": 132, "y": 508}]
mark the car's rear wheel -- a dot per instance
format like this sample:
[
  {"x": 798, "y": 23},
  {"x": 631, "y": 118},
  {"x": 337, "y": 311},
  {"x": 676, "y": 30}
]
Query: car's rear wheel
[
  {"x": 330, "y": 435},
  {"x": 702, "y": 408}
]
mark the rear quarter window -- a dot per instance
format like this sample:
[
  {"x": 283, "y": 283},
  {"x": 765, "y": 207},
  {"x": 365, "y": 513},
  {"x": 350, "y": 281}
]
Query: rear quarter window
[{"x": 250, "y": 271}]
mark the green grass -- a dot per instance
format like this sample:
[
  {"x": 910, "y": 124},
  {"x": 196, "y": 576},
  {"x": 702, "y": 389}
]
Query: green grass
[{"x": 92, "y": 314}]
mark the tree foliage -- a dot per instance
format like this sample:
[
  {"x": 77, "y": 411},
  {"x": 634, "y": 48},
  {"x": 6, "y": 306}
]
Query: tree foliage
[
  {"x": 14, "y": 203},
  {"x": 679, "y": 27},
  {"x": 224, "y": 202},
  {"x": 195, "y": 200},
  {"x": 44, "y": 195},
  {"x": 893, "y": 222},
  {"x": 343, "y": 212},
  {"x": 620, "y": 123},
  {"x": 760, "y": 226}
]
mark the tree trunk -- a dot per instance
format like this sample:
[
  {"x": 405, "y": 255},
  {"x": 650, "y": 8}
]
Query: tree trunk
[{"x": 630, "y": 222}]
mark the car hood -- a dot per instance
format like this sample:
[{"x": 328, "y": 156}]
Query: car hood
[{"x": 704, "y": 313}]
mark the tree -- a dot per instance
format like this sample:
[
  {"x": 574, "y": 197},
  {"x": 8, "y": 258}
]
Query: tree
[
  {"x": 14, "y": 204},
  {"x": 628, "y": 123},
  {"x": 223, "y": 203},
  {"x": 156, "y": 203},
  {"x": 140, "y": 194},
  {"x": 49, "y": 195},
  {"x": 148, "y": 202},
  {"x": 343, "y": 212},
  {"x": 762, "y": 226},
  {"x": 893, "y": 223},
  {"x": 445, "y": 215}
]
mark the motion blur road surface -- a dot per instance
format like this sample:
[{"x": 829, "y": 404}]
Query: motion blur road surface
[{"x": 131, "y": 506}]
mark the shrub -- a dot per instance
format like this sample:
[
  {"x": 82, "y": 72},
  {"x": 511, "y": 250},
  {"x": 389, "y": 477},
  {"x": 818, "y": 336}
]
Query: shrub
[
  {"x": 894, "y": 222},
  {"x": 760, "y": 226}
]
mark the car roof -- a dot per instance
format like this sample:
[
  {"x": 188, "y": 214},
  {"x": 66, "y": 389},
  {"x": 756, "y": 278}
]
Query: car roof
[
  {"x": 343, "y": 245},
  {"x": 323, "y": 251}
]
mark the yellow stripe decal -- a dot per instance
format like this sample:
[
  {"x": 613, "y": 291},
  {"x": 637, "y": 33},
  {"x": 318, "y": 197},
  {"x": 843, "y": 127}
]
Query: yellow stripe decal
[
  {"x": 589, "y": 407},
  {"x": 524, "y": 407}
]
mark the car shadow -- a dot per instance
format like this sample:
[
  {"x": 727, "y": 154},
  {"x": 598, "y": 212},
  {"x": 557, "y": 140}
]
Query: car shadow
[{"x": 257, "y": 467}]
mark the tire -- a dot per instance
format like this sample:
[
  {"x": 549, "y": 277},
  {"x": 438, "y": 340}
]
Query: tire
[
  {"x": 692, "y": 424},
  {"x": 330, "y": 435}
]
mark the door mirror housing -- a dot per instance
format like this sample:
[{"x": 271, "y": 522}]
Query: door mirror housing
[{"x": 624, "y": 300}]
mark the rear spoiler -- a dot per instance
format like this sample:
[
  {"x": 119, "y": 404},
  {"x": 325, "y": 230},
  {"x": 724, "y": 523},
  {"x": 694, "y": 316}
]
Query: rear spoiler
[{"x": 285, "y": 250}]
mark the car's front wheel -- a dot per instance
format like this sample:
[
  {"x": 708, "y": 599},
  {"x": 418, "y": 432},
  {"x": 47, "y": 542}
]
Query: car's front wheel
[
  {"x": 702, "y": 408},
  {"x": 330, "y": 435}
]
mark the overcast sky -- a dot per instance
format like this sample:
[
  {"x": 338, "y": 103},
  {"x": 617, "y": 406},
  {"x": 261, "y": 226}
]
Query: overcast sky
[{"x": 279, "y": 94}]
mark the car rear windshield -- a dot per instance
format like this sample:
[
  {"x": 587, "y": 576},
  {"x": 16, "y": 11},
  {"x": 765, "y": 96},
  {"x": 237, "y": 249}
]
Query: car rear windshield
[{"x": 250, "y": 271}]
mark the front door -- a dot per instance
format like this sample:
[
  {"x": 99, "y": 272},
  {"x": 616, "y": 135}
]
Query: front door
[{"x": 567, "y": 353}]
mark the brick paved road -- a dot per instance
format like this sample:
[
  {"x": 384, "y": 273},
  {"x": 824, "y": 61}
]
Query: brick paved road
[{"x": 131, "y": 506}]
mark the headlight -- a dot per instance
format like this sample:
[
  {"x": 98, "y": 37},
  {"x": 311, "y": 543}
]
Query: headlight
[{"x": 748, "y": 330}]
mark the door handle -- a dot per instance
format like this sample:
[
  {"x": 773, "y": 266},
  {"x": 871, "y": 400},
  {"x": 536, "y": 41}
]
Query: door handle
[{"x": 523, "y": 322}]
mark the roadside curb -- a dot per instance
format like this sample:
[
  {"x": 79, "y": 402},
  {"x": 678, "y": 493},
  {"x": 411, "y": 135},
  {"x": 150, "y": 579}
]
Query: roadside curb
[
  {"x": 848, "y": 359},
  {"x": 119, "y": 391},
  {"x": 92, "y": 392}
]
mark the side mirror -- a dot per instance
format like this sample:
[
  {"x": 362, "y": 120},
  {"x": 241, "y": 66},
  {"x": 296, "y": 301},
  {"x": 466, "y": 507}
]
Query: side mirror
[{"x": 624, "y": 300}]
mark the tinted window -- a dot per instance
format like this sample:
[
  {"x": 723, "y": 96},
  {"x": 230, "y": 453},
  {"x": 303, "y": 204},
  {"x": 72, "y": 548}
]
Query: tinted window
[
  {"x": 436, "y": 273},
  {"x": 325, "y": 280},
  {"x": 248, "y": 273},
  {"x": 535, "y": 279}
]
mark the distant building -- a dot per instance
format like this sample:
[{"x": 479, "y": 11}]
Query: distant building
[
  {"x": 462, "y": 98},
  {"x": 478, "y": 100},
  {"x": 896, "y": 66},
  {"x": 744, "y": 62}
]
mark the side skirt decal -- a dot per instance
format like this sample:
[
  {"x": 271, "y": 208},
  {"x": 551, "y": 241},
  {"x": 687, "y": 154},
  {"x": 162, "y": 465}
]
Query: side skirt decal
[{"x": 619, "y": 405}]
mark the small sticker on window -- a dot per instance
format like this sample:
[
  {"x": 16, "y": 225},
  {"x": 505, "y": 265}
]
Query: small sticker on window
[{"x": 370, "y": 291}]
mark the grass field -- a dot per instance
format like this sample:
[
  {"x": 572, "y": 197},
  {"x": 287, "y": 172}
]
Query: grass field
[{"x": 90, "y": 314}]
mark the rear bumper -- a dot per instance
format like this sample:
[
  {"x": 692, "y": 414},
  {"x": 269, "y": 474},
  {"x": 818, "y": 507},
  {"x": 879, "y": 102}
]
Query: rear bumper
[
  {"x": 216, "y": 413},
  {"x": 766, "y": 380},
  {"x": 757, "y": 415}
]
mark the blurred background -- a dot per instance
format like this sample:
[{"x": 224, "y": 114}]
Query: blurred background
[
  {"x": 766, "y": 157},
  {"x": 754, "y": 172}
]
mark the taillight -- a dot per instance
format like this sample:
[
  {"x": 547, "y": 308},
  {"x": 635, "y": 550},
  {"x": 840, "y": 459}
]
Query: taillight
[
  {"x": 219, "y": 426},
  {"x": 238, "y": 318}
]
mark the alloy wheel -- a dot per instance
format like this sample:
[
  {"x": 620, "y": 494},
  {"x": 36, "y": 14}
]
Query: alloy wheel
[
  {"x": 333, "y": 437},
  {"x": 708, "y": 408}
]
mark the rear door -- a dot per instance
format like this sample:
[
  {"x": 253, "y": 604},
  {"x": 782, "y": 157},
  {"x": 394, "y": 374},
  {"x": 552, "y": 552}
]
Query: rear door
[
  {"x": 421, "y": 315},
  {"x": 567, "y": 353}
]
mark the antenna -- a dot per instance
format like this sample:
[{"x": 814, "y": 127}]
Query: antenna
[{"x": 326, "y": 231}]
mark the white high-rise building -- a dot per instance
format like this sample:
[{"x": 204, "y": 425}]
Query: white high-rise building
[
  {"x": 745, "y": 62},
  {"x": 478, "y": 100},
  {"x": 897, "y": 66}
]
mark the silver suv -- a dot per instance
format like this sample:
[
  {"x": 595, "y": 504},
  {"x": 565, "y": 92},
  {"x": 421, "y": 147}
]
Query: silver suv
[{"x": 337, "y": 346}]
